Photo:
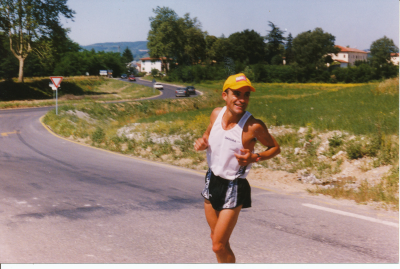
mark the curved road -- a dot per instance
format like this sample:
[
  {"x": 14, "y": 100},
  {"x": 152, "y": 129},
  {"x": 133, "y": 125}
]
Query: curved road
[
  {"x": 61, "y": 202},
  {"x": 167, "y": 92}
]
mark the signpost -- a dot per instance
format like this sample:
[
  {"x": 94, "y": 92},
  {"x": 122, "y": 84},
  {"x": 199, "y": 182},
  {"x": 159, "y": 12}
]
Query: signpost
[{"x": 54, "y": 86}]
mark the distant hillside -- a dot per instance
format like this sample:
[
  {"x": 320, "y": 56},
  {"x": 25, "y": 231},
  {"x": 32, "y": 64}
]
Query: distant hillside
[{"x": 138, "y": 48}]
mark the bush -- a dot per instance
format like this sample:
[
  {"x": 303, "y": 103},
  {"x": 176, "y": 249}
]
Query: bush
[
  {"x": 141, "y": 74},
  {"x": 354, "y": 150},
  {"x": 335, "y": 141},
  {"x": 154, "y": 72},
  {"x": 98, "y": 135}
]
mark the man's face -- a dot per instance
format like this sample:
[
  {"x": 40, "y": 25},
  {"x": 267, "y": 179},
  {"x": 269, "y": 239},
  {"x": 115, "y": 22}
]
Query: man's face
[{"x": 237, "y": 100}]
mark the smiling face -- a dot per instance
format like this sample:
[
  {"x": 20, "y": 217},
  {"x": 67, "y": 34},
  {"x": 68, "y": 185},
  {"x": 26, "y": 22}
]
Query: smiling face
[{"x": 237, "y": 100}]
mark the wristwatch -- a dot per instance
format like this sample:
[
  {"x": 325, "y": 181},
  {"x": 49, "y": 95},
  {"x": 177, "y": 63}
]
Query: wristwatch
[{"x": 258, "y": 157}]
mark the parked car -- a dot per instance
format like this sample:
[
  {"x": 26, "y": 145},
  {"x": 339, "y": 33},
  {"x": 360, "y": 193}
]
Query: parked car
[
  {"x": 158, "y": 86},
  {"x": 182, "y": 92},
  {"x": 124, "y": 76},
  {"x": 191, "y": 89},
  {"x": 132, "y": 78}
]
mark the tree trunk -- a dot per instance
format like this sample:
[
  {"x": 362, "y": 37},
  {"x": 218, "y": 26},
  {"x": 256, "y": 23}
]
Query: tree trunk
[{"x": 21, "y": 69}]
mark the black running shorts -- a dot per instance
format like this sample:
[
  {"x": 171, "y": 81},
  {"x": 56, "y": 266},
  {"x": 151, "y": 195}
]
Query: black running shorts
[{"x": 223, "y": 193}]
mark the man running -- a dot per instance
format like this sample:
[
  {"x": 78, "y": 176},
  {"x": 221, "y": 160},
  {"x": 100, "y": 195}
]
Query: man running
[{"x": 229, "y": 139}]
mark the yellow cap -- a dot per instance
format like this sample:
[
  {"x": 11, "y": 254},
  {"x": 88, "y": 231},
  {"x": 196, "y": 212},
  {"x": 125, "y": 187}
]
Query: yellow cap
[{"x": 236, "y": 82}]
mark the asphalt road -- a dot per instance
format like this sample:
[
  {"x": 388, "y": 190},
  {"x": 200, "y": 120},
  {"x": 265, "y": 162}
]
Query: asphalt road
[
  {"x": 167, "y": 92},
  {"x": 61, "y": 202}
]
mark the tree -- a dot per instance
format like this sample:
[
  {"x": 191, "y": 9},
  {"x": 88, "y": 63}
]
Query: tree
[
  {"x": 289, "y": 49},
  {"x": 175, "y": 39},
  {"x": 192, "y": 41},
  {"x": 310, "y": 49},
  {"x": 381, "y": 50},
  {"x": 219, "y": 50},
  {"x": 127, "y": 56},
  {"x": 210, "y": 40},
  {"x": 8, "y": 63},
  {"x": 78, "y": 63},
  {"x": 275, "y": 42},
  {"x": 247, "y": 47},
  {"x": 27, "y": 20},
  {"x": 47, "y": 52}
]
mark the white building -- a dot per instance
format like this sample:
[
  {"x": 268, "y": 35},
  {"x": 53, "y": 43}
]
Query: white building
[
  {"x": 394, "y": 57},
  {"x": 348, "y": 56},
  {"x": 147, "y": 64}
]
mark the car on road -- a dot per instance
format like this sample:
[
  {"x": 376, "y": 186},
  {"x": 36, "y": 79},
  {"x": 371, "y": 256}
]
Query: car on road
[
  {"x": 158, "y": 86},
  {"x": 191, "y": 90},
  {"x": 132, "y": 78},
  {"x": 124, "y": 76},
  {"x": 181, "y": 92}
]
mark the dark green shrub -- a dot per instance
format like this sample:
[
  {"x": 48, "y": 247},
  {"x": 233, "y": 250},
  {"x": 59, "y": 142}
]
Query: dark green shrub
[
  {"x": 354, "y": 150},
  {"x": 335, "y": 140}
]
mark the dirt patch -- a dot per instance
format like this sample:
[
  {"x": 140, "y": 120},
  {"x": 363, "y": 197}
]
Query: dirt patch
[{"x": 288, "y": 182}]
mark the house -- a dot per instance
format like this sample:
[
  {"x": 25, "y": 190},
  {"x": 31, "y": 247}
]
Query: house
[
  {"x": 394, "y": 57},
  {"x": 147, "y": 64},
  {"x": 348, "y": 56}
]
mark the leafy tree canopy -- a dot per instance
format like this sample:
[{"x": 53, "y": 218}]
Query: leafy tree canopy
[
  {"x": 178, "y": 39},
  {"x": 381, "y": 50},
  {"x": 312, "y": 47},
  {"x": 219, "y": 49},
  {"x": 247, "y": 47},
  {"x": 26, "y": 21}
]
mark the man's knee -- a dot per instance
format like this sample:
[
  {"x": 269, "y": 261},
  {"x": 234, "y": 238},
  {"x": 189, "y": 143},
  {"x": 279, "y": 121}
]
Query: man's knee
[{"x": 219, "y": 248}]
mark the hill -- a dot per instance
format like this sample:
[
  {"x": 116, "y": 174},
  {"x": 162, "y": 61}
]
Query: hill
[{"x": 138, "y": 48}]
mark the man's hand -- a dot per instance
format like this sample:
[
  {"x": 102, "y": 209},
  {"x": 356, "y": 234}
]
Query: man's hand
[
  {"x": 245, "y": 159},
  {"x": 201, "y": 144}
]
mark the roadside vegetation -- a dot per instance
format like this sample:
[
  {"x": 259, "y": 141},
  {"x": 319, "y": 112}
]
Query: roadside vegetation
[
  {"x": 36, "y": 91},
  {"x": 322, "y": 129}
]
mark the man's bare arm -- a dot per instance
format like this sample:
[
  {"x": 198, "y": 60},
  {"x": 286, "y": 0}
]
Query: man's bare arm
[
  {"x": 202, "y": 142},
  {"x": 260, "y": 132}
]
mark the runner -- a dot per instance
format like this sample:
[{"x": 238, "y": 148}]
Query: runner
[{"x": 229, "y": 139}]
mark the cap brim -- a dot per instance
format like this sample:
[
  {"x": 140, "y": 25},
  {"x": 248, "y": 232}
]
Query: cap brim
[{"x": 241, "y": 87}]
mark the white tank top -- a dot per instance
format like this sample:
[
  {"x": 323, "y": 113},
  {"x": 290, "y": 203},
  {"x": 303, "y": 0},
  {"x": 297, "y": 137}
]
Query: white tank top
[{"x": 222, "y": 145}]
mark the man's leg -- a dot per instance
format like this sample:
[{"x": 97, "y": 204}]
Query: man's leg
[
  {"x": 211, "y": 216},
  {"x": 222, "y": 224}
]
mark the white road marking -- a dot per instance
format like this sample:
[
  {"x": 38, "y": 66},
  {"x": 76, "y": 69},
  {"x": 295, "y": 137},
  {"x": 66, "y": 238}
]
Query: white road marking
[{"x": 352, "y": 215}]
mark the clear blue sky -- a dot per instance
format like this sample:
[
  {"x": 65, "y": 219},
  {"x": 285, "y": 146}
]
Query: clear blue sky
[{"x": 356, "y": 23}]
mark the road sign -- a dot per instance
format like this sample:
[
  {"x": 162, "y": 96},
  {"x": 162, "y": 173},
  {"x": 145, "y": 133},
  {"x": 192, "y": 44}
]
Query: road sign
[
  {"x": 52, "y": 86},
  {"x": 56, "y": 81}
]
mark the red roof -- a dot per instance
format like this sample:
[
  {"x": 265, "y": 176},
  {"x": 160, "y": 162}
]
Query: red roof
[
  {"x": 344, "y": 49},
  {"x": 394, "y": 54}
]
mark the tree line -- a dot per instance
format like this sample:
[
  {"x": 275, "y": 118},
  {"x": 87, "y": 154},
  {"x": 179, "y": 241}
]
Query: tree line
[
  {"x": 194, "y": 55},
  {"x": 33, "y": 43}
]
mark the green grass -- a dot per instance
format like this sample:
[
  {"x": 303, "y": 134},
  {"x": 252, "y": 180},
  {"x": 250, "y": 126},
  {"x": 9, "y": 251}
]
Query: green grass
[
  {"x": 357, "y": 108},
  {"x": 36, "y": 92}
]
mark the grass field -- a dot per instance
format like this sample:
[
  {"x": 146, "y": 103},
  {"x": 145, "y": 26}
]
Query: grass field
[
  {"x": 365, "y": 115},
  {"x": 36, "y": 91}
]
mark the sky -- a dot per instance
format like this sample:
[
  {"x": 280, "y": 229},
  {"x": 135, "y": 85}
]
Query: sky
[{"x": 354, "y": 23}]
